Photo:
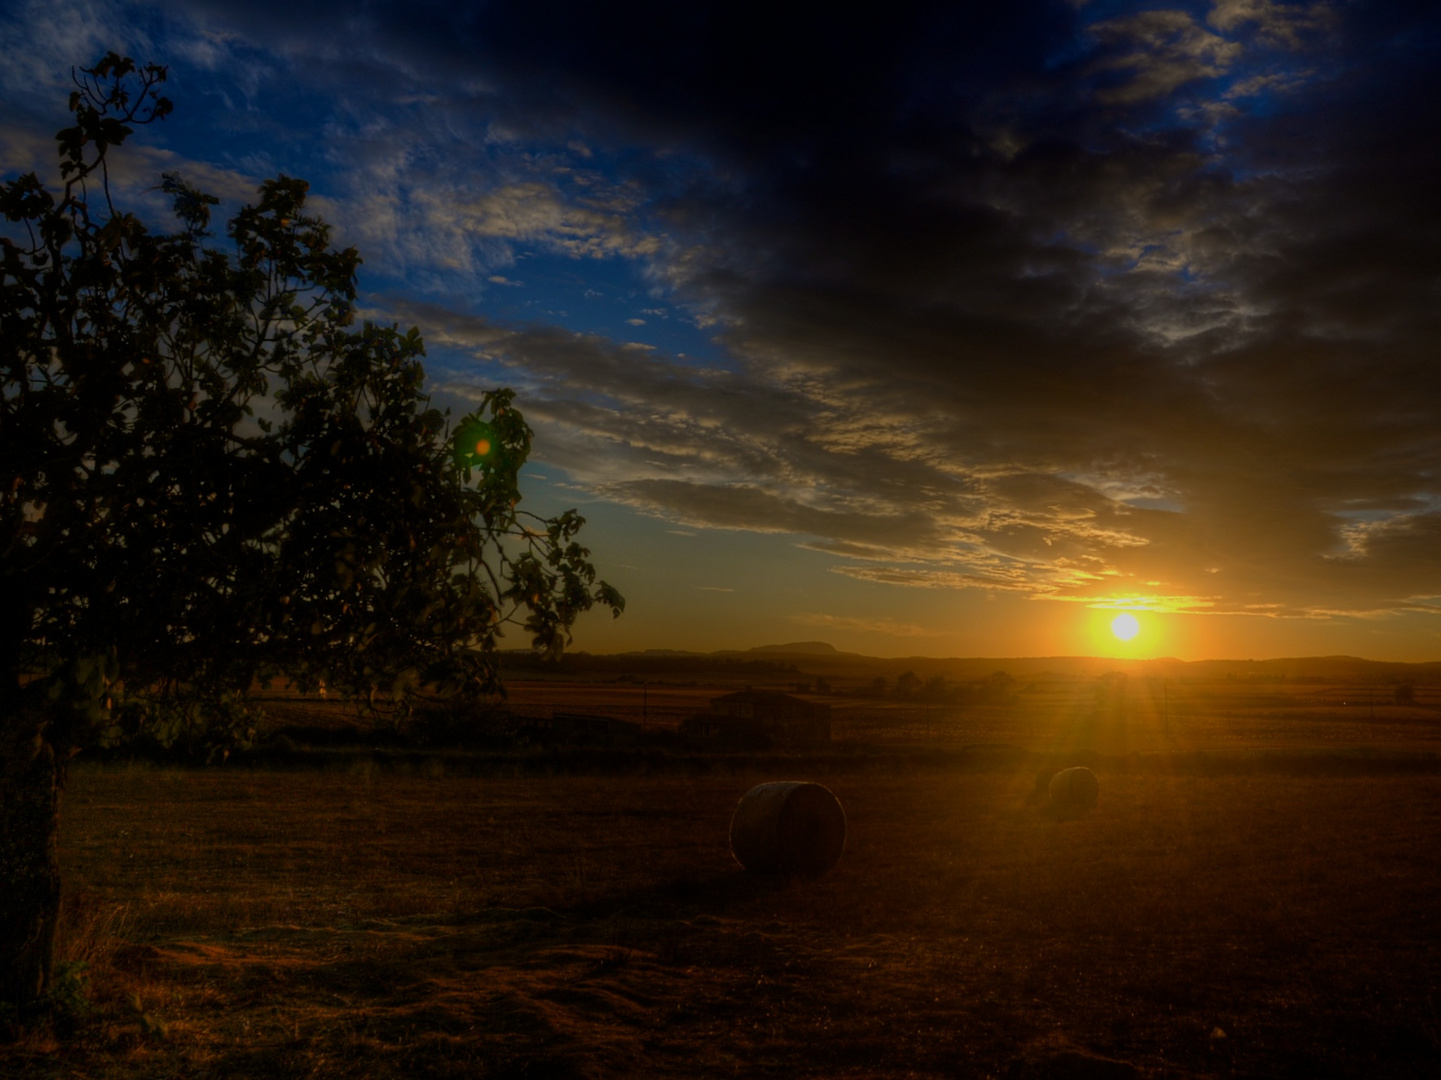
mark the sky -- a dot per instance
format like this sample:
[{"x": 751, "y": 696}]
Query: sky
[{"x": 936, "y": 329}]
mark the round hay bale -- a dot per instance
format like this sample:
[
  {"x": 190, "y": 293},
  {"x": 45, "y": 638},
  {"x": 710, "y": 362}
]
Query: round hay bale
[
  {"x": 1074, "y": 788},
  {"x": 788, "y": 827}
]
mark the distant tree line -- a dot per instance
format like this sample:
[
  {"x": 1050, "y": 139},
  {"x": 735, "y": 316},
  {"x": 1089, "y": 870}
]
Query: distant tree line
[
  {"x": 575, "y": 663},
  {"x": 998, "y": 688}
]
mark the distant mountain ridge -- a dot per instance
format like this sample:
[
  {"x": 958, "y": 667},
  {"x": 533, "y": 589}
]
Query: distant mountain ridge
[
  {"x": 805, "y": 648},
  {"x": 821, "y": 658}
]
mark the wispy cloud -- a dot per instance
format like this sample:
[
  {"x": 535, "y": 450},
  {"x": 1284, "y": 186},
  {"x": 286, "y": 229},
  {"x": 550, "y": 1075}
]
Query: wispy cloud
[{"x": 1072, "y": 302}]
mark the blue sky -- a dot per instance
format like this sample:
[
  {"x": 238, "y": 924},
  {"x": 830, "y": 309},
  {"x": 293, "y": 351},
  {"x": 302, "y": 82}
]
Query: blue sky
[{"x": 938, "y": 329}]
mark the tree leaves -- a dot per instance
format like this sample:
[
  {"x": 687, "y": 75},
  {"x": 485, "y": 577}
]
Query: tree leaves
[
  {"x": 214, "y": 476},
  {"x": 191, "y": 206}
]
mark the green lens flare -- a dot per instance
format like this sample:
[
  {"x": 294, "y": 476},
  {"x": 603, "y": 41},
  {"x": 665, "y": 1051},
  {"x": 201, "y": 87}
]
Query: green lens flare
[{"x": 476, "y": 445}]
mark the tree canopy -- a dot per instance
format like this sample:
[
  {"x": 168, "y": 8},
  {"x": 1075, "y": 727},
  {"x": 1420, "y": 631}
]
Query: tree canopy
[{"x": 213, "y": 475}]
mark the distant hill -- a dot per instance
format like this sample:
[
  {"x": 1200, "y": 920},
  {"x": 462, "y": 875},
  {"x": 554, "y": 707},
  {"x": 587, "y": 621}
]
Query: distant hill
[{"x": 818, "y": 658}]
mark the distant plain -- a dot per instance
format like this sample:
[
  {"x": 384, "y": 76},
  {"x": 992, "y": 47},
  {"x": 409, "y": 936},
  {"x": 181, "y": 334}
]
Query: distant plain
[{"x": 1256, "y": 893}]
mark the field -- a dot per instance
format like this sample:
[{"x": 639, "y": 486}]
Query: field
[{"x": 1235, "y": 904}]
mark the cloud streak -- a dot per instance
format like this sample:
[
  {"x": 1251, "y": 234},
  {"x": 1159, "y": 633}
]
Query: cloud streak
[{"x": 1137, "y": 304}]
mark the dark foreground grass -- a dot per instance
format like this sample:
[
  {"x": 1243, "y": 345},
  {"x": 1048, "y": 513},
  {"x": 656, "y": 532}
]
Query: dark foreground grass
[{"x": 249, "y": 924}]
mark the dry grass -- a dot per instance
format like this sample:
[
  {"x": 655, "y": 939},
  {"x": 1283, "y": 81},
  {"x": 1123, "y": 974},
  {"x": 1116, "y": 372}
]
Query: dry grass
[
  {"x": 1141, "y": 715},
  {"x": 299, "y": 924},
  {"x": 1113, "y": 715},
  {"x": 662, "y": 705},
  {"x": 296, "y": 924}
]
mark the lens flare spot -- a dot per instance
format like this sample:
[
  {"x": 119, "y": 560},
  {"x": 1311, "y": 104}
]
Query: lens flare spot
[
  {"x": 1125, "y": 626},
  {"x": 482, "y": 448}
]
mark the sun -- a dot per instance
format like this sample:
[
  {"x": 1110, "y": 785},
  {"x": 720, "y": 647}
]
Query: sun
[{"x": 1125, "y": 626}]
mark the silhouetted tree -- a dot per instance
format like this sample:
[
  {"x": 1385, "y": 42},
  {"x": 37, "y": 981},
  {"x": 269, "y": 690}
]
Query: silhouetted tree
[
  {"x": 907, "y": 683},
  {"x": 211, "y": 477}
]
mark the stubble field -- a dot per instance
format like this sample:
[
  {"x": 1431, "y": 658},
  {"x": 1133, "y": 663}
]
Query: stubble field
[{"x": 364, "y": 923}]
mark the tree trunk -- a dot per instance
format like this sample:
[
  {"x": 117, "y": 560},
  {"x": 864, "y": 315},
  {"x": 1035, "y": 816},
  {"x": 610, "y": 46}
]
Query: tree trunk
[{"x": 29, "y": 860}]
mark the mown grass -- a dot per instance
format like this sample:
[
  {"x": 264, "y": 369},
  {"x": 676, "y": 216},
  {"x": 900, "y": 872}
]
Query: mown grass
[
  {"x": 1138, "y": 715},
  {"x": 253, "y": 923}
]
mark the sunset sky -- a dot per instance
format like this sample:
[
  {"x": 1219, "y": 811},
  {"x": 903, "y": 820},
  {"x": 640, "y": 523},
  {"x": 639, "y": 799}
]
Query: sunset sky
[{"x": 932, "y": 331}]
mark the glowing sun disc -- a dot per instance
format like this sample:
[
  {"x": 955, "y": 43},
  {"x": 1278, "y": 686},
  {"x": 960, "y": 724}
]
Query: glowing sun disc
[{"x": 1125, "y": 626}]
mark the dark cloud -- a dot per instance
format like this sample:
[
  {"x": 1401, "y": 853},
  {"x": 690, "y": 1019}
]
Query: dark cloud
[
  {"x": 1064, "y": 289},
  {"x": 1083, "y": 300}
]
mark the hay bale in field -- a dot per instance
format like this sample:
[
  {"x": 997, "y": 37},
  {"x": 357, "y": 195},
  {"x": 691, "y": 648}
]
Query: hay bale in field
[
  {"x": 1074, "y": 789},
  {"x": 788, "y": 827}
]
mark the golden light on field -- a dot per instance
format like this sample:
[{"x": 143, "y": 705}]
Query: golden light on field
[{"x": 1125, "y": 626}]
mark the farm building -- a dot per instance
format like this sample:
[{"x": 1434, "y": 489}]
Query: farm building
[{"x": 751, "y": 715}]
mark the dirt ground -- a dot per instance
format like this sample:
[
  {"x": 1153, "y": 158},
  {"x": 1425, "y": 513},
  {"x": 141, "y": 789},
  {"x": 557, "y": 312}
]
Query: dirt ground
[{"x": 299, "y": 924}]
